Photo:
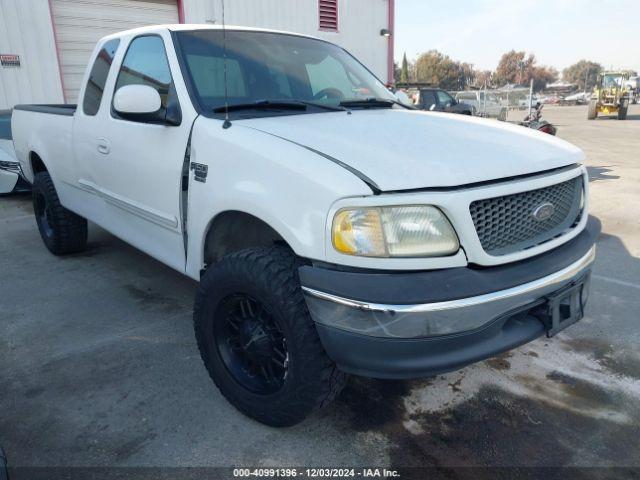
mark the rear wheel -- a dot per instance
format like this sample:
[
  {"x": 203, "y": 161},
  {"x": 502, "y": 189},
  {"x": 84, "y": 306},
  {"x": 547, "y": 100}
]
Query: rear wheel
[
  {"x": 622, "y": 111},
  {"x": 258, "y": 341},
  {"x": 62, "y": 231},
  {"x": 592, "y": 112}
]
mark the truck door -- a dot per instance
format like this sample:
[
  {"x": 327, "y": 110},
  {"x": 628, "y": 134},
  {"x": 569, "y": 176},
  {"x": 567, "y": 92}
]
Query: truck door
[
  {"x": 135, "y": 167},
  {"x": 428, "y": 100},
  {"x": 445, "y": 101}
]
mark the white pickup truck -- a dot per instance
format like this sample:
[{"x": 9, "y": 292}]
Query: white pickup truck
[{"x": 332, "y": 230}]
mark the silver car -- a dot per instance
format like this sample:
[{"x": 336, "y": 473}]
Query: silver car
[{"x": 486, "y": 104}]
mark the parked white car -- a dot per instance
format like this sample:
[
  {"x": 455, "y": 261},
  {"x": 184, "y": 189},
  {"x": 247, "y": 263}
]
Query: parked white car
[
  {"x": 523, "y": 103},
  {"x": 11, "y": 179},
  {"x": 578, "y": 98},
  {"x": 486, "y": 104},
  {"x": 332, "y": 229}
]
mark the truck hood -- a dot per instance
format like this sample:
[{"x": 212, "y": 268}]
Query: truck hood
[{"x": 405, "y": 149}]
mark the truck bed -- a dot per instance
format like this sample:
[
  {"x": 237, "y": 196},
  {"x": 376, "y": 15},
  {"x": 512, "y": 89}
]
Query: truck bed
[
  {"x": 67, "y": 109},
  {"x": 44, "y": 130}
]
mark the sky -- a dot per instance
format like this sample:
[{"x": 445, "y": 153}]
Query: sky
[{"x": 558, "y": 32}]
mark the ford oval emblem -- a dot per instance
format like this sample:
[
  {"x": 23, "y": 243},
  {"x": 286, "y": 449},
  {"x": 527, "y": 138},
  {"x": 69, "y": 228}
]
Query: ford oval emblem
[{"x": 543, "y": 212}]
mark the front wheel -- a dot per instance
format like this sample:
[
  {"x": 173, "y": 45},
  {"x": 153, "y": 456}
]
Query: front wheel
[
  {"x": 622, "y": 111},
  {"x": 62, "y": 231},
  {"x": 258, "y": 341},
  {"x": 592, "y": 111}
]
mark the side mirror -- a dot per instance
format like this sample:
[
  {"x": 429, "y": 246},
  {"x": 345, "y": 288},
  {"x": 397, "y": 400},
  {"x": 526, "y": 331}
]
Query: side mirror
[
  {"x": 137, "y": 100},
  {"x": 141, "y": 103}
]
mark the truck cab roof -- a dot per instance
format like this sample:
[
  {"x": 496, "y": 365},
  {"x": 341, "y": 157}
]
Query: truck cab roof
[{"x": 182, "y": 27}]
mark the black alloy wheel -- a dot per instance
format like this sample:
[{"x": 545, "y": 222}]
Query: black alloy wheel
[
  {"x": 257, "y": 338},
  {"x": 42, "y": 210},
  {"x": 251, "y": 344},
  {"x": 62, "y": 230}
]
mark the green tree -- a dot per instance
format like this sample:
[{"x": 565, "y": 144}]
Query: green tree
[
  {"x": 467, "y": 75},
  {"x": 541, "y": 76},
  {"x": 484, "y": 78},
  {"x": 404, "y": 70},
  {"x": 440, "y": 70},
  {"x": 513, "y": 68},
  {"x": 519, "y": 68},
  {"x": 582, "y": 73}
]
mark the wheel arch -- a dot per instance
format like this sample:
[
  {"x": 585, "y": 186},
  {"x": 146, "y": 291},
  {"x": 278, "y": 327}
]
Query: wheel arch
[
  {"x": 36, "y": 163},
  {"x": 233, "y": 230}
]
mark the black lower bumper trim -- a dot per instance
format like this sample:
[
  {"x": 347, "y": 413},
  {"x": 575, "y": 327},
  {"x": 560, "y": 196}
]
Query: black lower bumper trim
[{"x": 423, "y": 357}]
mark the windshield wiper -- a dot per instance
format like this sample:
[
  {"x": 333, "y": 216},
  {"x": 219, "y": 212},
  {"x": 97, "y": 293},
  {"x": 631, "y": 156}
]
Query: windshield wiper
[
  {"x": 373, "y": 102},
  {"x": 334, "y": 108},
  {"x": 276, "y": 105},
  {"x": 262, "y": 105}
]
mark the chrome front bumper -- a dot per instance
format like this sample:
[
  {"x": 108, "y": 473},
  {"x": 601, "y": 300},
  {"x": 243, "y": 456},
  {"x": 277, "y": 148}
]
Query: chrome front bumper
[
  {"x": 418, "y": 324},
  {"x": 437, "y": 318}
]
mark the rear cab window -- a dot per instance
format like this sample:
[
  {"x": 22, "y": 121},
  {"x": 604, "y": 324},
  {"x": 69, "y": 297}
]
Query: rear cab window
[{"x": 98, "y": 77}]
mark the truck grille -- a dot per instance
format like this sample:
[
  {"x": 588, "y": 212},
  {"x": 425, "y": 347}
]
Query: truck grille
[{"x": 508, "y": 224}]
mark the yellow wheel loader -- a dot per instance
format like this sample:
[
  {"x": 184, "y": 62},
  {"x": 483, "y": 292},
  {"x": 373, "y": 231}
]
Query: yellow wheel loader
[{"x": 610, "y": 95}]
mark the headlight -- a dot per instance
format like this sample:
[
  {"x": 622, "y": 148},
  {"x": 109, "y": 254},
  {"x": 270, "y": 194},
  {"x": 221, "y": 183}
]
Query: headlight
[{"x": 402, "y": 231}]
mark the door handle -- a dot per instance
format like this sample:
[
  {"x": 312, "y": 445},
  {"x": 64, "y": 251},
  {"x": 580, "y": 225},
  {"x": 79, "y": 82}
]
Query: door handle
[{"x": 103, "y": 146}]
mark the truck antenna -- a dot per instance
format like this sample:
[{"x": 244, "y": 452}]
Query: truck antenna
[{"x": 227, "y": 122}]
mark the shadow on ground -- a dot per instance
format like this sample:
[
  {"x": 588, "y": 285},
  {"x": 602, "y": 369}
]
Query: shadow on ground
[
  {"x": 601, "y": 173},
  {"x": 614, "y": 117}
]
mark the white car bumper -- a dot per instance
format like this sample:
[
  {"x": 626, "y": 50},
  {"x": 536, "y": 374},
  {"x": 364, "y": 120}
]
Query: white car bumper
[
  {"x": 11, "y": 177},
  {"x": 8, "y": 181}
]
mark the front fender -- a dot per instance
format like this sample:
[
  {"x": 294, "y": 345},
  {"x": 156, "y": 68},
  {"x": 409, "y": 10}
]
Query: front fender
[{"x": 286, "y": 186}]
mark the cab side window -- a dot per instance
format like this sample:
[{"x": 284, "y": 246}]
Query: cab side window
[
  {"x": 444, "y": 98},
  {"x": 145, "y": 63},
  {"x": 98, "y": 77}
]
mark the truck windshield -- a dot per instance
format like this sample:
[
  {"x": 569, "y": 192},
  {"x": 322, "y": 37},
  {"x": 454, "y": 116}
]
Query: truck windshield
[{"x": 273, "y": 67}]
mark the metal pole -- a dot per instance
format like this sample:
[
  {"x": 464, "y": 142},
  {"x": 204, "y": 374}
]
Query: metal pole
[
  {"x": 530, "y": 97},
  {"x": 586, "y": 76},
  {"x": 484, "y": 103}
]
